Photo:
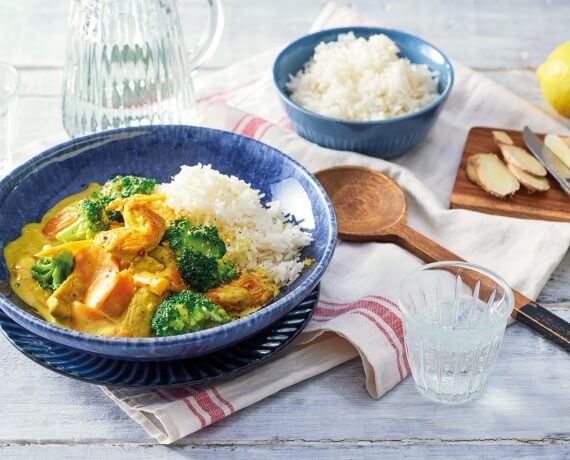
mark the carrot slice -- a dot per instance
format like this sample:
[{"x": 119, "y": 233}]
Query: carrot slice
[
  {"x": 120, "y": 296},
  {"x": 100, "y": 289},
  {"x": 156, "y": 284},
  {"x": 109, "y": 289},
  {"x": 86, "y": 319},
  {"x": 93, "y": 262},
  {"x": 59, "y": 221},
  {"x": 111, "y": 294}
]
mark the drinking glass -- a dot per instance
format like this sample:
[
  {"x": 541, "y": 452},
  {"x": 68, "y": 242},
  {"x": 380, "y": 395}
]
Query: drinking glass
[
  {"x": 455, "y": 315},
  {"x": 8, "y": 98},
  {"x": 126, "y": 64}
]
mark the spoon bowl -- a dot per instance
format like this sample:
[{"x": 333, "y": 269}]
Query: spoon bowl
[
  {"x": 371, "y": 206},
  {"x": 366, "y": 202}
]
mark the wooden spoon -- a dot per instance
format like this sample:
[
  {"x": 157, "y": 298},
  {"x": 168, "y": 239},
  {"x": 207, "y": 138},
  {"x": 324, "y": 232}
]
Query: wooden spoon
[{"x": 370, "y": 206}]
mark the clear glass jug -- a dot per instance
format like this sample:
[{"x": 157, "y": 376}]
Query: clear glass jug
[{"x": 126, "y": 64}]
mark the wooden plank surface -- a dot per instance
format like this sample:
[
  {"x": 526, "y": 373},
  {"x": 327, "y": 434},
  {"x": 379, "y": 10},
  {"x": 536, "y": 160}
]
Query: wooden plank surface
[
  {"x": 298, "y": 450},
  {"x": 553, "y": 204},
  {"x": 49, "y": 417},
  {"x": 46, "y": 408}
]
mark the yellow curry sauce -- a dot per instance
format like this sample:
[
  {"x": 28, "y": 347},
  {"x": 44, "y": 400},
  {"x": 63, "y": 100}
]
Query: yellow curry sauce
[
  {"x": 19, "y": 257},
  {"x": 133, "y": 280}
]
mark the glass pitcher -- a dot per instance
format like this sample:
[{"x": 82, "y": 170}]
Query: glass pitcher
[{"x": 126, "y": 64}]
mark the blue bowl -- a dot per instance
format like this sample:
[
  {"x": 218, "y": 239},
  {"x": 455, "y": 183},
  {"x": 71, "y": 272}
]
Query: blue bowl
[
  {"x": 159, "y": 151},
  {"x": 382, "y": 138}
]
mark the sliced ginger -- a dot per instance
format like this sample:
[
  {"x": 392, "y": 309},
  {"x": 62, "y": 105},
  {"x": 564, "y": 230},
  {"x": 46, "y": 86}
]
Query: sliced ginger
[
  {"x": 502, "y": 137},
  {"x": 528, "y": 181},
  {"x": 559, "y": 146},
  {"x": 491, "y": 174},
  {"x": 522, "y": 160}
]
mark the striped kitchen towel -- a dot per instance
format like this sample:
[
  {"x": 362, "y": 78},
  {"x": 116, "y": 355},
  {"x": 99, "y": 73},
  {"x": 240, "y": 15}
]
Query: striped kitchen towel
[{"x": 358, "y": 315}]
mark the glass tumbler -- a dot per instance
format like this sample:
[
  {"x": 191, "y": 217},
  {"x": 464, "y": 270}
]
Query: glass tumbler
[
  {"x": 8, "y": 97},
  {"x": 455, "y": 315}
]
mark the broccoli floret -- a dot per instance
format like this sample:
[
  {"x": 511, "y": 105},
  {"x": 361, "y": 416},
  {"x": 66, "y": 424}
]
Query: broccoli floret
[
  {"x": 115, "y": 216},
  {"x": 124, "y": 187},
  {"x": 180, "y": 235},
  {"x": 91, "y": 219},
  {"x": 201, "y": 272},
  {"x": 226, "y": 271},
  {"x": 197, "y": 270},
  {"x": 199, "y": 251},
  {"x": 184, "y": 312},
  {"x": 51, "y": 272}
]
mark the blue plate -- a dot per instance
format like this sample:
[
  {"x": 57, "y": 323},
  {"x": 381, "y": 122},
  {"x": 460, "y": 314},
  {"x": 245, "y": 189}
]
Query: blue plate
[
  {"x": 381, "y": 138},
  {"x": 159, "y": 151},
  {"x": 191, "y": 371}
]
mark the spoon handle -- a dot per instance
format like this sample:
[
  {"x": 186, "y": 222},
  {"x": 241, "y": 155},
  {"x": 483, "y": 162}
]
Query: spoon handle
[
  {"x": 422, "y": 247},
  {"x": 526, "y": 311}
]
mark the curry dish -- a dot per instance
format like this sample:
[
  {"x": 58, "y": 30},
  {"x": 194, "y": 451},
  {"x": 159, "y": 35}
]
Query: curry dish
[{"x": 116, "y": 260}]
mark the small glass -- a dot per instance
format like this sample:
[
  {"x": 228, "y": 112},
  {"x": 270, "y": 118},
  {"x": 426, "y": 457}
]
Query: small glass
[
  {"x": 455, "y": 315},
  {"x": 8, "y": 97}
]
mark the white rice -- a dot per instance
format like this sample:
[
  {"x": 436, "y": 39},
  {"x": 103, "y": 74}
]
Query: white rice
[
  {"x": 362, "y": 79},
  {"x": 256, "y": 235}
]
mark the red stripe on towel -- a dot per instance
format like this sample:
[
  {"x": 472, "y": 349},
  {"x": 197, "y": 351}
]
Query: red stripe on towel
[
  {"x": 322, "y": 313},
  {"x": 252, "y": 126},
  {"x": 390, "y": 341},
  {"x": 393, "y": 320},
  {"x": 237, "y": 125},
  {"x": 399, "y": 324},
  {"x": 182, "y": 394},
  {"x": 386, "y": 299},
  {"x": 207, "y": 404},
  {"x": 225, "y": 401},
  {"x": 264, "y": 130}
]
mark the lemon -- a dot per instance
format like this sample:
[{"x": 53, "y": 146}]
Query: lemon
[{"x": 554, "y": 78}]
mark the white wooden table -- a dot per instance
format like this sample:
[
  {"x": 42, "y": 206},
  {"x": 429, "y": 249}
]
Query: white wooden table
[{"x": 525, "y": 412}]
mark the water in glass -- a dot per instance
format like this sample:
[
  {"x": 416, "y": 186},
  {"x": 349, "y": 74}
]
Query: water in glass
[
  {"x": 454, "y": 319},
  {"x": 126, "y": 64}
]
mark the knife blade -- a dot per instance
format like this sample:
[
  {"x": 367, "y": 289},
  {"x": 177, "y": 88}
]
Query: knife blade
[{"x": 548, "y": 158}]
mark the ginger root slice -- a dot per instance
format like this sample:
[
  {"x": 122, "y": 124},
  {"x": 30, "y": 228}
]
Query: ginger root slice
[
  {"x": 559, "y": 146},
  {"x": 491, "y": 174},
  {"x": 502, "y": 137},
  {"x": 470, "y": 169},
  {"x": 521, "y": 159},
  {"x": 528, "y": 181}
]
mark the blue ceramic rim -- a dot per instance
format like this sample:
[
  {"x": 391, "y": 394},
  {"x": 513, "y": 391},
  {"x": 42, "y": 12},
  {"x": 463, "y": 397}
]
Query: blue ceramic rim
[
  {"x": 372, "y": 30},
  {"x": 232, "y": 373},
  {"x": 293, "y": 297}
]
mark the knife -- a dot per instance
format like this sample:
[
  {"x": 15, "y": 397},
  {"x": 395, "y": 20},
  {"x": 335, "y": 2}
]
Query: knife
[{"x": 549, "y": 160}]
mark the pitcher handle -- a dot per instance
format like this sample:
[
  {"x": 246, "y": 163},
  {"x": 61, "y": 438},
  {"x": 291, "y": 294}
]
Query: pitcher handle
[{"x": 211, "y": 39}]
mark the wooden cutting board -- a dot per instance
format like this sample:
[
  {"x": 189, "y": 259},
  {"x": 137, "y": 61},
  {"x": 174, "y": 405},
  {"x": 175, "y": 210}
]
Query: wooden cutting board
[{"x": 551, "y": 205}]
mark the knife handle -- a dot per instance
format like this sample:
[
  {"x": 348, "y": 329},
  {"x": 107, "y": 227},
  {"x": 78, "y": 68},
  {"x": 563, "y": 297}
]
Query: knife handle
[{"x": 546, "y": 323}]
